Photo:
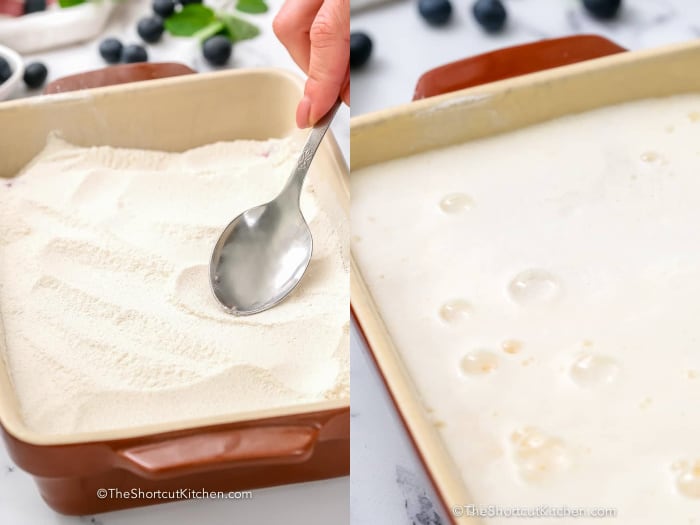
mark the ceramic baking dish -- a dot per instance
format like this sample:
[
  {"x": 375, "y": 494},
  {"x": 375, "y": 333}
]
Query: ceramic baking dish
[
  {"x": 441, "y": 120},
  {"x": 227, "y": 453}
]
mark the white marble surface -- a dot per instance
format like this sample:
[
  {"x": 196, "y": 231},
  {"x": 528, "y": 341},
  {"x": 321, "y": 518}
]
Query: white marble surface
[
  {"x": 387, "y": 479},
  {"x": 318, "y": 503}
]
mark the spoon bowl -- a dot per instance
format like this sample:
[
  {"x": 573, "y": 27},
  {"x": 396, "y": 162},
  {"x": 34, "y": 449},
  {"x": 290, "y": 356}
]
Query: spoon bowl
[
  {"x": 263, "y": 253},
  {"x": 260, "y": 258}
]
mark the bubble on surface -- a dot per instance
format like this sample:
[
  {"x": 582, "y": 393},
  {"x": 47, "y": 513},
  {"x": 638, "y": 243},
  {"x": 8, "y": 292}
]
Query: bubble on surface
[
  {"x": 590, "y": 370},
  {"x": 456, "y": 203},
  {"x": 687, "y": 474},
  {"x": 537, "y": 456},
  {"x": 511, "y": 346},
  {"x": 534, "y": 287},
  {"x": 480, "y": 362},
  {"x": 455, "y": 311},
  {"x": 650, "y": 156}
]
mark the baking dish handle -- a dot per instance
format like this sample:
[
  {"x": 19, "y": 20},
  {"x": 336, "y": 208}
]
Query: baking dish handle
[
  {"x": 255, "y": 446},
  {"x": 121, "y": 74},
  {"x": 512, "y": 62}
]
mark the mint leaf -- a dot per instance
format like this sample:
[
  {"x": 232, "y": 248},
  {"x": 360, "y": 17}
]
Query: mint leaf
[
  {"x": 237, "y": 28},
  {"x": 252, "y": 6},
  {"x": 192, "y": 18},
  {"x": 70, "y": 3},
  {"x": 214, "y": 28}
]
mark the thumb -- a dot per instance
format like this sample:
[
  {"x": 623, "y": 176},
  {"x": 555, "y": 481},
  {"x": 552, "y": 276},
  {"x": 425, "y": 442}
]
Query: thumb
[{"x": 328, "y": 64}]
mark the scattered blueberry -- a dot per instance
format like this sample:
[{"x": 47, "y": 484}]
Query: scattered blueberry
[
  {"x": 111, "y": 50},
  {"x": 35, "y": 75},
  {"x": 34, "y": 6},
  {"x": 603, "y": 9},
  {"x": 217, "y": 50},
  {"x": 163, "y": 8},
  {"x": 134, "y": 53},
  {"x": 5, "y": 70},
  {"x": 435, "y": 12},
  {"x": 150, "y": 28},
  {"x": 360, "y": 49},
  {"x": 490, "y": 14}
]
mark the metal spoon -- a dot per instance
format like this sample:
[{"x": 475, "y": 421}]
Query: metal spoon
[{"x": 263, "y": 253}]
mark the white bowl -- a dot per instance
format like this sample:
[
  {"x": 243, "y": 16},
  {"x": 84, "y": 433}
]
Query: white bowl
[
  {"x": 55, "y": 27},
  {"x": 8, "y": 87}
]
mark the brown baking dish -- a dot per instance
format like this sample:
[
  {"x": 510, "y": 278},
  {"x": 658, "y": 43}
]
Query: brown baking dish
[
  {"x": 500, "y": 106},
  {"x": 225, "y": 453},
  {"x": 114, "y": 75},
  {"x": 512, "y": 62}
]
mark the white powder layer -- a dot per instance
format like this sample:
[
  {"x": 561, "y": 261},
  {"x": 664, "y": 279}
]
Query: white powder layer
[
  {"x": 108, "y": 315},
  {"x": 543, "y": 288}
]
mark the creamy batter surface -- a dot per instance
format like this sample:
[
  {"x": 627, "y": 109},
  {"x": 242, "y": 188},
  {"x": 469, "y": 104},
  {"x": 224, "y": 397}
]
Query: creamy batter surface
[
  {"x": 543, "y": 288},
  {"x": 108, "y": 315}
]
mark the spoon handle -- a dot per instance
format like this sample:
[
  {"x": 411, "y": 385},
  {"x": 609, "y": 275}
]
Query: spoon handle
[{"x": 296, "y": 180}]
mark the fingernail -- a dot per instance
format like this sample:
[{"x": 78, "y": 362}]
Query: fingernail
[{"x": 304, "y": 112}]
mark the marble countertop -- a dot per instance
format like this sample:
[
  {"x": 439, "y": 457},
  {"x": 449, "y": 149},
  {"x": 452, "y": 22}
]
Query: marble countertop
[
  {"x": 317, "y": 503},
  {"x": 388, "y": 483}
]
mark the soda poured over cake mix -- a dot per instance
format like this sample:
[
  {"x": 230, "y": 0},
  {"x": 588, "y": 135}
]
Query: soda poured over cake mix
[{"x": 543, "y": 289}]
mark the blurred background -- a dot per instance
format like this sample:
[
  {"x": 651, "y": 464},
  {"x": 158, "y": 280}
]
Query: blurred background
[
  {"x": 405, "y": 45},
  {"x": 67, "y": 41}
]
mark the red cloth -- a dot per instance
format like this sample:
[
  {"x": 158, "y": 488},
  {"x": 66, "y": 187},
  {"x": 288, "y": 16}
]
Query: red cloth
[{"x": 14, "y": 7}]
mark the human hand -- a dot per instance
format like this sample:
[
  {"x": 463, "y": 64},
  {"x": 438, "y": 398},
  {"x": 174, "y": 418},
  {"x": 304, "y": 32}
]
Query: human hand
[{"x": 317, "y": 35}]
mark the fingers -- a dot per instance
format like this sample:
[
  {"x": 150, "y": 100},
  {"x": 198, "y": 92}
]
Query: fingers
[
  {"x": 292, "y": 26},
  {"x": 328, "y": 63},
  {"x": 304, "y": 106}
]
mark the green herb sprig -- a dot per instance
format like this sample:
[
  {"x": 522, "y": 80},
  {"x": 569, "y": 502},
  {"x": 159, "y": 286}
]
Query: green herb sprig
[
  {"x": 70, "y": 3},
  {"x": 252, "y": 6},
  {"x": 202, "y": 22}
]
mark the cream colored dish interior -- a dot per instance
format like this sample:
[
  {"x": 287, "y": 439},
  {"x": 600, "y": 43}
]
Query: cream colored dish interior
[
  {"x": 114, "y": 246},
  {"x": 163, "y": 182},
  {"x": 550, "y": 321},
  {"x": 476, "y": 312}
]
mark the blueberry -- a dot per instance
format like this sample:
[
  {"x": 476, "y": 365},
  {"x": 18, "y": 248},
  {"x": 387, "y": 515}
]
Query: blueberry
[
  {"x": 111, "y": 50},
  {"x": 603, "y": 9},
  {"x": 490, "y": 14},
  {"x": 150, "y": 28},
  {"x": 185, "y": 2},
  {"x": 5, "y": 70},
  {"x": 164, "y": 8},
  {"x": 217, "y": 50},
  {"x": 134, "y": 53},
  {"x": 360, "y": 49},
  {"x": 34, "y": 6},
  {"x": 35, "y": 75},
  {"x": 435, "y": 12}
]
